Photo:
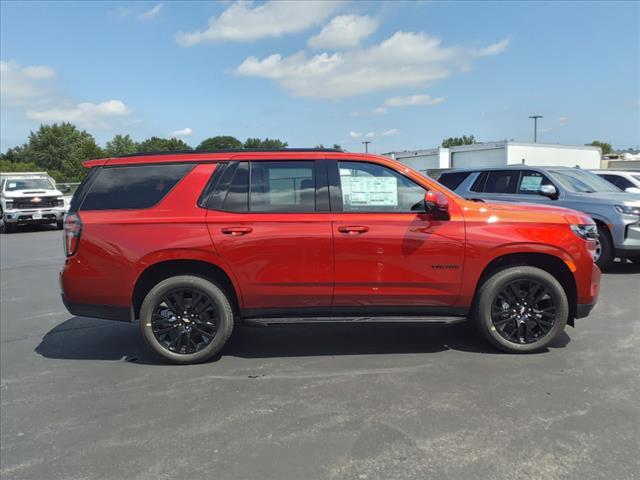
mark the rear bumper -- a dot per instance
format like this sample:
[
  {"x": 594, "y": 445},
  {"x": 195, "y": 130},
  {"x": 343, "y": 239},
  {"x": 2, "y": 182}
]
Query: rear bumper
[{"x": 106, "y": 312}]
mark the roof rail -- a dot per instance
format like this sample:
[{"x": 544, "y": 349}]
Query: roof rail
[{"x": 231, "y": 150}]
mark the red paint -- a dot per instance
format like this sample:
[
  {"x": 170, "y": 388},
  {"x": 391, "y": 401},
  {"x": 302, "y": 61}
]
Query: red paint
[{"x": 279, "y": 260}]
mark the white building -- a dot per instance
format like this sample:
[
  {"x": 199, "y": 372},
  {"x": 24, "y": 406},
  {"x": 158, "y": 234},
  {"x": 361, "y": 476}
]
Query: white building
[{"x": 499, "y": 153}]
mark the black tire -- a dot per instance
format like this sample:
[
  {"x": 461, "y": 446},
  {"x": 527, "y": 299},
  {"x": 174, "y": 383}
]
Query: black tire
[
  {"x": 59, "y": 224},
  {"x": 150, "y": 319},
  {"x": 605, "y": 260},
  {"x": 496, "y": 330}
]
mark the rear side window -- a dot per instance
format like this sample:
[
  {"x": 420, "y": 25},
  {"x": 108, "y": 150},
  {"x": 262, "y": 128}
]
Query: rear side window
[
  {"x": 118, "y": 188},
  {"x": 453, "y": 180},
  {"x": 619, "y": 181},
  {"x": 282, "y": 186},
  {"x": 502, "y": 181}
]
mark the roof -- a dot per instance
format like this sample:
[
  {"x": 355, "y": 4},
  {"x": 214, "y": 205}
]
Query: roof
[
  {"x": 518, "y": 166},
  {"x": 221, "y": 155}
]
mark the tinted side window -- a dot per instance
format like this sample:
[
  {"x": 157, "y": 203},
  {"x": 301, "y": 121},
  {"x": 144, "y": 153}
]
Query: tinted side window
[
  {"x": 478, "y": 185},
  {"x": 454, "y": 179},
  {"x": 530, "y": 182},
  {"x": 502, "y": 181},
  {"x": 237, "y": 198},
  {"x": 283, "y": 186},
  {"x": 618, "y": 181},
  {"x": 116, "y": 188},
  {"x": 367, "y": 187}
]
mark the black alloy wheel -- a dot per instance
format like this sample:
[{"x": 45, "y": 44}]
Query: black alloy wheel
[
  {"x": 523, "y": 311},
  {"x": 184, "y": 321}
]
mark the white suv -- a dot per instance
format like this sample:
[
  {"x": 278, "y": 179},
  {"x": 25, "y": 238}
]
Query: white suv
[{"x": 626, "y": 181}]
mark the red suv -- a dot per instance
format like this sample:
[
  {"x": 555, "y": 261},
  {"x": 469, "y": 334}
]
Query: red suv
[{"x": 194, "y": 243}]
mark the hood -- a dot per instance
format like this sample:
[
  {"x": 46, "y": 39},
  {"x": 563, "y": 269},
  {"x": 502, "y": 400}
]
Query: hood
[
  {"x": 32, "y": 193},
  {"x": 498, "y": 206},
  {"x": 606, "y": 198}
]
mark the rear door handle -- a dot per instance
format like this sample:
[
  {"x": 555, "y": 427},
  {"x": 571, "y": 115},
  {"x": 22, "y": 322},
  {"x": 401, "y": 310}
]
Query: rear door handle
[
  {"x": 353, "y": 230},
  {"x": 236, "y": 231}
]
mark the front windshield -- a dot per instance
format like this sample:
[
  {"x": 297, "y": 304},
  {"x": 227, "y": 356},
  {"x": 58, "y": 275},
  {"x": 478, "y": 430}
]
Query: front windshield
[
  {"x": 580, "y": 181},
  {"x": 13, "y": 184},
  {"x": 637, "y": 177}
]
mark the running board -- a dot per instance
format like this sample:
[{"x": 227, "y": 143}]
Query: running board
[{"x": 265, "y": 322}]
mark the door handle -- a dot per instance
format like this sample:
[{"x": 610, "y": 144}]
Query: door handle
[
  {"x": 236, "y": 231},
  {"x": 353, "y": 230}
]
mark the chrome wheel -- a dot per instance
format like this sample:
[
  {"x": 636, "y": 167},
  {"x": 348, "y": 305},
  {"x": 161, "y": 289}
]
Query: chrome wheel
[
  {"x": 598, "y": 251},
  {"x": 184, "y": 321},
  {"x": 523, "y": 311}
]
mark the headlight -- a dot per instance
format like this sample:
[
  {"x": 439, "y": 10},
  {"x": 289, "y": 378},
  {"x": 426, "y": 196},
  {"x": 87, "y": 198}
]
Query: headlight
[
  {"x": 628, "y": 209},
  {"x": 60, "y": 202},
  {"x": 8, "y": 205},
  {"x": 586, "y": 232}
]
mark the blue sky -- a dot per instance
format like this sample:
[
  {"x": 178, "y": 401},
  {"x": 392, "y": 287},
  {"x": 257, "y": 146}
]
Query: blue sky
[{"x": 403, "y": 75}]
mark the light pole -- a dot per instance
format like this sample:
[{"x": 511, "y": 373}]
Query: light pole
[
  {"x": 366, "y": 145},
  {"x": 535, "y": 127}
]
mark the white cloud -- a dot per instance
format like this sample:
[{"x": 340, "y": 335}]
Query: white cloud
[
  {"x": 184, "y": 132},
  {"x": 86, "y": 114},
  {"x": 563, "y": 120},
  {"x": 370, "y": 134},
  {"x": 344, "y": 31},
  {"x": 494, "y": 48},
  {"x": 413, "y": 100},
  {"x": 20, "y": 84},
  {"x": 391, "y": 132},
  {"x": 151, "y": 13},
  {"x": 355, "y": 134},
  {"x": 244, "y": 22},
  {"x": 404, "y": 59},
  {"x": 379, "y": 111},
  {"x": 544, "y": 130}
]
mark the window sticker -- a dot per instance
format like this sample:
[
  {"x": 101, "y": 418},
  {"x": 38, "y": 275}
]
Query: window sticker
[
  {"x": 530, "y": 184},
  {"x": 12, "y": 184},
  {"x": 370, "y": 191}
]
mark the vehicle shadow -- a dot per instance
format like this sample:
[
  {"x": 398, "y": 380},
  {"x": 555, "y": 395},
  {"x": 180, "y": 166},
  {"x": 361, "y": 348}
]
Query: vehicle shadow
[
  {"x": 81, "y": 338},
  {"x": 623, "y": 267}
]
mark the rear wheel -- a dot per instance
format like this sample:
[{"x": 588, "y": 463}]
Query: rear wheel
[
  {"x": 186, "y": 319},
  {"x": 521, "y": 309}
]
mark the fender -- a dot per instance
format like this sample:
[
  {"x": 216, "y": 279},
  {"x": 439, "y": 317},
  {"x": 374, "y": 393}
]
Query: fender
[{"x": 194, "y": 254}]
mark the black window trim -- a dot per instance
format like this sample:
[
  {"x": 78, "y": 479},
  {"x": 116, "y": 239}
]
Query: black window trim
[
  {"x": 336, "y": 188},
  {"x": 162, "y": 199},
  {"x": 321, "y": 187}
]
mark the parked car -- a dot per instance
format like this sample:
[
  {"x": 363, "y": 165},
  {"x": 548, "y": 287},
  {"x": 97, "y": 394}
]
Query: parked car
[
  {"x": 616, "y": 213},
  {"x": 626, "y": 181},
  {"x": 194, "y": 243},
  {"x": 29, "y": 198}
]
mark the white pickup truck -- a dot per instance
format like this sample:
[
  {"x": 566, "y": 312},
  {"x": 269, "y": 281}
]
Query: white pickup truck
[{"x": 28, "y": 198}]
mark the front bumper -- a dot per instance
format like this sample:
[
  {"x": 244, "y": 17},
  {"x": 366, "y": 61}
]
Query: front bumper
[
  {"x": 31, "y": 216},
  {"x": 626, "y": 236}
]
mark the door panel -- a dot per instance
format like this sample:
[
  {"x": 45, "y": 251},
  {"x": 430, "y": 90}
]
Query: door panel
[
  {"x": 284, "y": 261},
  {"x": 393, "y": 256},
  {"x": 271, "y": 234}
]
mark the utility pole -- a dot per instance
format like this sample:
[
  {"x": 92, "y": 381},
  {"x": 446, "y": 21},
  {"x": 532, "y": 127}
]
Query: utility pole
[
  {"x": 535, "y": 127},
  {"x": 366, "y": 145}
]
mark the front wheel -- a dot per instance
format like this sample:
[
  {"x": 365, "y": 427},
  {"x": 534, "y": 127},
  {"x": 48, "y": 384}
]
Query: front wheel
[
  {"x": 186, "y": 319},
  {"x": 604, "y": 249},
  {"x": 521, "y": 309}
]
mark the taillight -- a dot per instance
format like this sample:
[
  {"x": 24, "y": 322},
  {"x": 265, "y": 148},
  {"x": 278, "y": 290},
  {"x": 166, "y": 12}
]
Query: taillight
[{"x": 72, "y": 232}]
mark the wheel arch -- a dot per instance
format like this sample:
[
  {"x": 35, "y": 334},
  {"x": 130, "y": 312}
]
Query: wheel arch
[
  {"x": 544, "y": 261},
  {"x": 162, "y": 270}
]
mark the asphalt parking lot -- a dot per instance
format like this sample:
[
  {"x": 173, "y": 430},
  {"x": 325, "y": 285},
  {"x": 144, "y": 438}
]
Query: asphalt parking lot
[{"x": 84, "y": 399}]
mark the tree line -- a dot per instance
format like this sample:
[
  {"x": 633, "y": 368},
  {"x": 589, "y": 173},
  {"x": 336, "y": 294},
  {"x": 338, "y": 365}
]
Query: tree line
[{"x": 61, "y": 148}]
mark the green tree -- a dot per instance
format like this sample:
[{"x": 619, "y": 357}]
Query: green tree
[
  {"x": 267, "y": 143},
  {"x": 224, "y": 142},
  {"x": 120, "y": 145},
  {"x": 455, "y": 141},
  {"x": 604, "y": 146},
  {"x": 157, "y": 144},
  {"x": 337, "y": 147},
  {"x": 60, "y": 149},
  {"x": 15, "y": 155},
  {"x": 9, "y": 166}
]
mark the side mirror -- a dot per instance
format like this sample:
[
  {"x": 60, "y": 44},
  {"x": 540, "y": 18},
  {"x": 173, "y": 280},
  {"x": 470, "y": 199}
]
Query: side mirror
[
  {"x": 632, "y": 190},
  {"x": 436, "y": 202},
  {"x": 548, "y": 191}
]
